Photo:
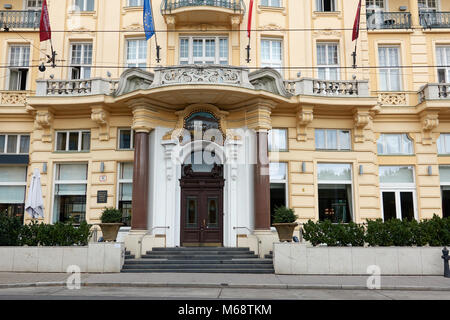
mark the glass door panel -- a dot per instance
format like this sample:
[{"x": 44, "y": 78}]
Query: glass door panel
[
  {"x": 213, "y": 213},
  {"x": 191, "y": 213},
  {"x": 389, "y": 206},
  {"x": 407, "y": 205}
]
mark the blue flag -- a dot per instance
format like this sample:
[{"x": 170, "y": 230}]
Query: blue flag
[{"x": 149, "y": 27}]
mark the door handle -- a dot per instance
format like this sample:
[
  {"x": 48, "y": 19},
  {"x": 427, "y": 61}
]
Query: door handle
[{"x": 204, "y": 223}]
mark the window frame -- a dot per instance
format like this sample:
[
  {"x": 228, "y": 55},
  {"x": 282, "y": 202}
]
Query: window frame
[
  {"x": 132, "y": 133},
  {"x": 320, "y": 6},
  {"x": 402, "y": 146},
  {"x": 446, "y": 62},
  {"x": 271, "y": 63},
  {"x": 19, "y": 138},
  {"x": 281, "y": 181},
  {"x": 84, "y": 9},
  {"x": 38, "y": 7},
  {"x": 445, "y": 136},
  {"x": 135, "y": 6},
  {"x": 18, "y": 67},
  {"x": 83, "y": 67},
  {"x": 271, "y": 141},
  {"x": 121, "y": 181},
  {"x": 80, "y": 139},
  {"x": 327, "y": 67},
  {"x": 137, "y": 61},
  {"x": 375, "y": 7},
  {"x": 270, "y": 3},
  {"x": 338, "y": 144},
  {"x": 389, "y": 69},
  {"x": 17, "y": 184},
  {"x": 217, "y": 58}
]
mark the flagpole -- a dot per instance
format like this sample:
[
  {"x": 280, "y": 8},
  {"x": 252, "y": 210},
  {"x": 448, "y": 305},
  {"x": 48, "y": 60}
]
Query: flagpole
[{"x": 156, "y": 35}]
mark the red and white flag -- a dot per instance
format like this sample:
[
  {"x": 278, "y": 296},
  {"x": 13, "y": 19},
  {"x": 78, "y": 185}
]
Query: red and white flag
[
  {"x": 356, "y": 24},
  {"x": 250, "y": 12},
  {"x": 45, "y": 33}
]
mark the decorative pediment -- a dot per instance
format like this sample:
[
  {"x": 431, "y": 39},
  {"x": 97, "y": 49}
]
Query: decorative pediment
[
  {"x": 269, "y": 80},
  {"x": 134, "y": 79}
]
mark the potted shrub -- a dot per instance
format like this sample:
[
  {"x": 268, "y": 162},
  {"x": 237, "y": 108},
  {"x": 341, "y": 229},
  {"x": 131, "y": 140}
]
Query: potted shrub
[
  {"x": 111, "y": 222},
  {"x": 285, "y": 222}
]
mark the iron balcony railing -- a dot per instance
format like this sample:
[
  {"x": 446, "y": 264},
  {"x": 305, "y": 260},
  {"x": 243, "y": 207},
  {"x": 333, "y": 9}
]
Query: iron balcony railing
[
  {"x": 434, "y": 20},
  {"x": 388, "y": 20},
  {"x": 20, "y": 19},
  {"x": 237, "y": 6}
]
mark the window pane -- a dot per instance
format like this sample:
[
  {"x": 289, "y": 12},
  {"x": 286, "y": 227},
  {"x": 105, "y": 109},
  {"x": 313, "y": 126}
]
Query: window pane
[
  {"x": 73, "y": 141},
  {"x": 331, "y": 139},
  {"x": 278, "y": 171},
  {"x": 125, "y": 139},
  {"x": 320, "y": 138},
  {"x": 335, "y": 202},
  {"x": 126, "y": 170},
  {"x": 407, "y": 205},
  {"x": 444, "y": 173},
  {"x": 86, "y": 141},
  {"x": 396, "y": 174},
  {"x": 2, "y": 143},
  {"x": 344, "y": 140},
  {"x": 13, "y": 174},
  {"x": 126, "y": 191},
  {"x": 191, "y": 212},
  {"x": 12, "y": 144},
  {"x": 392, "y": 143},
  {"x": 61, "y": 141},
  {"x": 277, "y": 139},
  {"x": 70, "y": 189},
  {"x": 12, "y": 194},
  {"x": 277, "y": 197},
  {"x": 389, "y": 206},
  {"x": 24, "y": 144},
  {"x": 72, "y": 172},
  {"x": 334, "y": 172}
]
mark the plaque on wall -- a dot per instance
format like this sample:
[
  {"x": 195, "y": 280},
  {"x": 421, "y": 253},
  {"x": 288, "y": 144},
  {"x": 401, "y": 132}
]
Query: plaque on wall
[{"x": 102, "y": 196}]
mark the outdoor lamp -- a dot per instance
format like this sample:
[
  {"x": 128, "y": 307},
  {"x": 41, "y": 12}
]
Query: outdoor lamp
[
  {"x": 361, "y": 169},
  {"x": 44, "y": 167},
  {"x": 102, "y": 167}
]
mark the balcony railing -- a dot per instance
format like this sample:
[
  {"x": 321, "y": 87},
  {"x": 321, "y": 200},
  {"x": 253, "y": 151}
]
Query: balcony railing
[
  {"x": 434, "y": 91},
  {"x": 331, "y": 88},
  {"x": 20, "y": 19},
  {"x": 388, "y": 20},
  {"x": 75, "y": 87},
  {"x": 434, "y": 20},
  {"x": 237, "y": 6}
]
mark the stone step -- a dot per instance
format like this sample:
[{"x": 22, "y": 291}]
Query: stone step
[
  {"x": 199, "y": 252},
  {"x": 197, "y": 266},
  {"x": 129, "y": 256},
  {"x": 200, "y": 248},
  {"x": 199, "y": 257},
  {"x": 205, "y": 262},
  {"x": 186, "y": 270}
]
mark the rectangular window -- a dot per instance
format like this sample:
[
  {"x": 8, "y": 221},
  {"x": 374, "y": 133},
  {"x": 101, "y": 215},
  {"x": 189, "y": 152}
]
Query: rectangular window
[
  {"x": 13, "y": 182},
  {"x": 443, "y": 63},
  {"x": 204, "y": 50},
  {"x": 427, "y": 5},
  {"x": 328, "y": 55},
  {"x": 136, "y": 53},
  {"x": 389, "y": 62},
  {"x": 326, "y": 5},
  {"x": 278, "y": 140},
  {"x": 332, "y": 139},
  {"x": 125, "y": 190},
  {"x": 34, "y": 4},
  {"x": 398, "y": 193},
  {"x": 375, "y": 4},
  {"x": 126, "y": 139},
  {"x": 74, "y": 141},
  {"x": 271, "y": 54},
  {"x": 278, "y": 186},
  {"x": 443, "y": 143},
  {"x": 80, "y": 60},
  {"x": 14, "y": 143},
  {"x": 70, "y": 192},
  {"x": 84, "y": 5},
  {"x": 135, "y": 3},
  {"x": 271, "y": 3},
  {"x": 19, "y": 62},
  {"x": 335, "y": 192},
  {"x": 444, "y": 174},
  {"x": 392, "y": 144}
]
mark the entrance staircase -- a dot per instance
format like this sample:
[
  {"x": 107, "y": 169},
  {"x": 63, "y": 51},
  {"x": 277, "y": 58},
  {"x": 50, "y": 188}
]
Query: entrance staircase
[{"x": 199, "y": 260}]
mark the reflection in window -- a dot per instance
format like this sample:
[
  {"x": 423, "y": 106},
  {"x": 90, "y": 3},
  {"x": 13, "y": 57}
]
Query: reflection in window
[
  {"x": 332, "y": 139},
  {"x": 13, "y": 180},
  {"x": 278, "y": 186},
  {"x": 278, "y": 140},
  {"x": 391, "y": 144}
]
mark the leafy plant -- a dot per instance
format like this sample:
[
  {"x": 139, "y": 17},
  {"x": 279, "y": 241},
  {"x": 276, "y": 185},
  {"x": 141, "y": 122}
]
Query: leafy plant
[
  {"x": 9, "y": 230},
  {"x": 284, "y": 215},
  {"x": 111, "y": 215},
  {"x": 325, "y": 232}
]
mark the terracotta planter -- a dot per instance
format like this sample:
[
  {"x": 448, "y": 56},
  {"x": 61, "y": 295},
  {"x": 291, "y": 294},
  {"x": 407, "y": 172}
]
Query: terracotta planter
[
  {"x": 110, "y": 230},
  {"x": 285, "y": 231}
]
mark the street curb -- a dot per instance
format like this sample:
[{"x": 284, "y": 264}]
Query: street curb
[{"x": 223, "y": 285}]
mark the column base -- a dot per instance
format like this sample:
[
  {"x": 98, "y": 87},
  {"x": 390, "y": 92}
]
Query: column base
[
  {"x": 150, "y": 241},
  {"x": 265, "y": 240},
  {"x": 133, "y": 242}
]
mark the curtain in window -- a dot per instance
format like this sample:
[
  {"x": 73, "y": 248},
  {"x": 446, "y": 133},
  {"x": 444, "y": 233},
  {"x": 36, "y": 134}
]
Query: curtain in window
[
  {"x": 72, "y": 172},
  {"x": 126, "y": 191},
  {"x": 126, "y": 170}
]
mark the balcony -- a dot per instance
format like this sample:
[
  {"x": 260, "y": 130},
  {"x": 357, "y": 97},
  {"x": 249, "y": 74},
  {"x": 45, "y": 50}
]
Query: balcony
[
  {"x": 329, "y": 88},
  {"x": 434, "y": 20},
  {"x": 20, "y": 19},
  {"x": 82, "y": 87},
  {"x": 388, "y": 20},
  {"x": 202, "y": 11},
  {"x": 434, "y": 91}
]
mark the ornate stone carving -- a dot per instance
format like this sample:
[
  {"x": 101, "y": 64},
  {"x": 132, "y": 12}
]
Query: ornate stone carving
[
  {"x": 13, "y": 98},
  {"x": 170, "y": 20},
  {"x": 44, "y": 121},
  {"x": 430, "y": 121},
  {"x": 258, "y": 114},
  {"x": 100, "y": 116},
  {"x": 305, "y": 116},
  {"x": 392, "y": 99},
  {"x": 200, "y": 75},
  {"x": 270, "y": 26},
  {"x": 361, "y": 119},
  {"x": 235, "y": 21}
]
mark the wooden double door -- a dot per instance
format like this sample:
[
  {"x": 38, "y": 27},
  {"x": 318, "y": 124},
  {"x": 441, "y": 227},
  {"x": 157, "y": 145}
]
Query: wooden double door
[{"x": 202, "y": 211}]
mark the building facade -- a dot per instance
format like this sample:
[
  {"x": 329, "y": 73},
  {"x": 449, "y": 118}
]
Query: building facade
[{"x": 201, "y": 147}]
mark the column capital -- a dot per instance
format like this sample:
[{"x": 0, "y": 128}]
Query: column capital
[
  {"x": 258, "y": 114},
  {"x": 144, "y": 115}
]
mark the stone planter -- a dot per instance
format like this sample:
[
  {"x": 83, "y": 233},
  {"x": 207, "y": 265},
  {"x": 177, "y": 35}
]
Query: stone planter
[
  {"x": 110, "y": 230},
  {"x": 285, "y": 231}
]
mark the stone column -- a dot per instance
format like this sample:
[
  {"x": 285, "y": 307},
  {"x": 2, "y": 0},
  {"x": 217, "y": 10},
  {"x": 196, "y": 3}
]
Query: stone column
[
  {"x": 262, "y": 182},
  {"x": 139, "y": 216}
]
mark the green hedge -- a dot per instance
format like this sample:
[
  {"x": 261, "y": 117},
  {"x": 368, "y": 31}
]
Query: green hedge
[
  {"x": 13, "y": 233},
  {"x": 433, "y": 232}
]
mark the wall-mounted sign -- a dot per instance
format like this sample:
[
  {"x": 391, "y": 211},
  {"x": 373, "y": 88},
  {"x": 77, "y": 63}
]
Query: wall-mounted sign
[
  {"x": 103, "y": 178},
  {"x": 102, "y": 196}
]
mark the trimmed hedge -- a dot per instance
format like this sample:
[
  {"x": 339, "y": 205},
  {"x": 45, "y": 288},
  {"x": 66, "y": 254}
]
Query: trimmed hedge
[
  {"x": 13, "y": 233},
  {"x": 433, "y": 232}
]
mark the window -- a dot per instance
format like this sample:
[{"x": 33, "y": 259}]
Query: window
[
  {"x": 332, "y": 139},
  {"x": 34, "y": 4},
  {"x": 443, "y": 62},
  {"x": 75, "y": 141},
  {"x": 271, "y": 54},
  {"x": 19, "y": 62},
  {"x": 389, "y": 60},
  {"x": 204, "y": 50},
  {"x": 326, "y": 5},
  {"x": 443, "y": 143},
  {"x": 14, "y": 143},
  {"x": 126, "y": 139},
  {"x": 397, "y": 192},
  {"x": 84, "y": 5},
  {"x": 428, "y": 5},
  {"x": 271, "y": 3},
  {"x": 81, "y": 60},
  {"x": 278, "y": 186},
  {"x": 135, "y": 3},
  {"x": 136, "y": 53},
  {"x": 13, "y": 183},
  {"x": 375, "y": 4},
  {"x": 327, "y": 55},
  {"x": 335, "y": 192},
  {"x": 70, "y": 192},
  {"x": 278, "y": 140},
  {"x": 125, "y": 190},
  {"x": 391, "y": 144},
  {"x": 444, "y": 174}
]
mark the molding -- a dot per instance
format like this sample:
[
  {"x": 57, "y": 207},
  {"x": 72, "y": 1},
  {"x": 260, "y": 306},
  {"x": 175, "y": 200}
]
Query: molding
[
  {"x": 429, "y": 121},
  {"x": 101, "y": 116},
  {"x": 44, "y": 121},
  {"x": 361, "y": 120},
  {"x": 305, "y": 116}
]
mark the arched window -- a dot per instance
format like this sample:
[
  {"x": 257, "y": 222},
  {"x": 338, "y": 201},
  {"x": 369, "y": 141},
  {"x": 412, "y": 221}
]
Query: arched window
[
  {"x": 202, "y": 161},
  {"x": 203, "y": 122}
]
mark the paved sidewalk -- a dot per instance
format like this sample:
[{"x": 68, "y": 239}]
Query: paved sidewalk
[{"x": 208, "y": 280}]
